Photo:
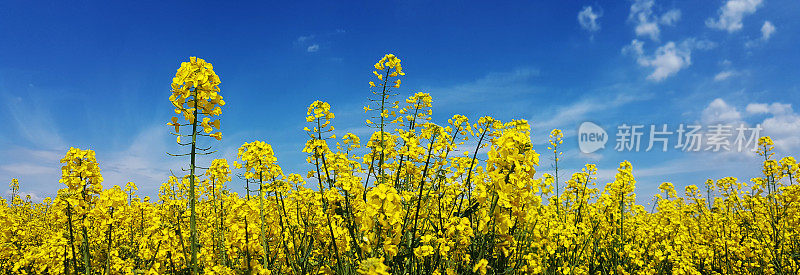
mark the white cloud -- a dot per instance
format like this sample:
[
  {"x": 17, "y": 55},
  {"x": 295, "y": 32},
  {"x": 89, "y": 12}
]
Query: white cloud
[
  {"x": 757, "y": 108},
  {"x": 781, "y": 122},
  {"x": 588, "y": 19},
  {"x": 723, "y": 75},
  {"x": 313, "y": 48},
  {"x": 636, "y": 48},
  {"x": 774, "y": 108},
  {"x": 686, "y": 169},
  {"x": 668, "y": 59},
  {"x": 641, "y": 12},
  {"x": 784, "y": 130},
  {"x": 703, "y": 44},
  {"x": 648, "y": 28},
  {"x": 732, "y": 13},
  {"x": 671, "y": 17},
  {"x": 718, "y": 111},
  {"x": 647, "y": 22},
  {"x": 767, "y": 30}
]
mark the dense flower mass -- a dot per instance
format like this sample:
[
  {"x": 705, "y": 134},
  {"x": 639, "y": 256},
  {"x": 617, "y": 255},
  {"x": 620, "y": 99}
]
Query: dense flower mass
[
  {"x": 195, "y": 95},
  {"x": 416, "y": 198}
]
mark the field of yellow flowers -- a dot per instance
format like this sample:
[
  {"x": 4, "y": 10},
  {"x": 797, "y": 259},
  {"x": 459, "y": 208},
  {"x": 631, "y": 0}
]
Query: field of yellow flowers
[{"x": 412, "y": 199}]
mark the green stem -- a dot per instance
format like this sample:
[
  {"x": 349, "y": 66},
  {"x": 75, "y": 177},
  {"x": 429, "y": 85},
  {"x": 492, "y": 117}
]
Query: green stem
[
  {"x": 192, "y": 218},
  {"x": 72, "y": 238}
]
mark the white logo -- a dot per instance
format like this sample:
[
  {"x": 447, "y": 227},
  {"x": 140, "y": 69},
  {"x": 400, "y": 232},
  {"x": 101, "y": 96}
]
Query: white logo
[{"x": 591, "y": 137}]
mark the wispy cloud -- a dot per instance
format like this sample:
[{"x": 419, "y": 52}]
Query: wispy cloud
[
  {"x": 37, "y": 169},
  {"x": 144, "y": 161},
  {"x": 33, "y": 121},
  {"x": 17, "y": 170},
  {"x": 568, "y": 117},
  {"x": 314, "y": 42},
  {"x": 304, "y": 38},
  {"x": 723, "y": 75},
  {"x": 675, "y": 170},
  {"x": 670, "y": 17},
  {"x": 588, "y": 19},
  {"x": 494, "y": 86},
  {"x": 36, "y": 145}
]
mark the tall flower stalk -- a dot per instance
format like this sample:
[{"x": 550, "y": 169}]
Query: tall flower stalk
[{"x": 195, "y": 95}]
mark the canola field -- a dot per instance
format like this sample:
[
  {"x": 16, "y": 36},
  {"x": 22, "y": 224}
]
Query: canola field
[{"x": 413, "y": 198}]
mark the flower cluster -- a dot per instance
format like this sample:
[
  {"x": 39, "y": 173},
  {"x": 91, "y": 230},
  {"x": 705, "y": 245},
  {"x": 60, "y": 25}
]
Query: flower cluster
[
  {"x": 195, "y": 95},
  {"x": 388, "y": 66}
]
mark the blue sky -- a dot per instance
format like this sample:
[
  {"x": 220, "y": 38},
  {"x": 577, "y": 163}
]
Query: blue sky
[{"x": 96, "y": 75}]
